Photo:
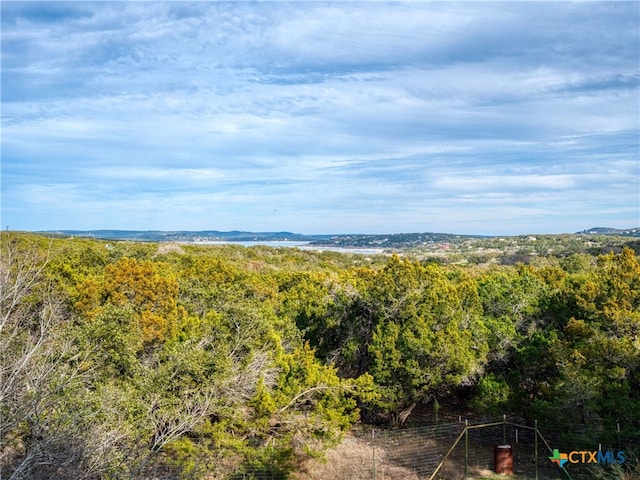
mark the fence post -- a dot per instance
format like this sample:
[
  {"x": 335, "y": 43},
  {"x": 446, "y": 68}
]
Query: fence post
[
  {"x": 373, "y": 452},
  {"x": 536, "y": 447},
  {"x": 466, "y": 446},
  {"x": 504, "y": 429}
]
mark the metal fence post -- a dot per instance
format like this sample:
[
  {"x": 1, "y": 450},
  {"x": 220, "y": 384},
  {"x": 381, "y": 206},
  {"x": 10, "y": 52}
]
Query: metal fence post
[
  {"x": 466, "y": 447},
  {"x": 504, "y": 429},
  {"x": 373, "y": 452},
  {"x": 536, "y": 447}
]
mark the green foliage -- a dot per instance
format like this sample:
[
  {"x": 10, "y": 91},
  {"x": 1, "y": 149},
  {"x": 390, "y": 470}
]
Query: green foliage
[
  {"x": 116, "y": 341},
  {"x": 227, "y": 360},
  {"x": 493, "y": 395},
  {"x": 583, "y": 358},
  {"x": 429, "y": 337}
]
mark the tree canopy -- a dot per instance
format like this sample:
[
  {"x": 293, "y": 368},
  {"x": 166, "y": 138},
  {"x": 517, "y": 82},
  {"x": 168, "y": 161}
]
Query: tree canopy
[{"x": 117, "y": 357}]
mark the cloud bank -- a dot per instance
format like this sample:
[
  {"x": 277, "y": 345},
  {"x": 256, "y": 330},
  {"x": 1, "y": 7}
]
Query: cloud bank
[{"x": 471, "y": 117}]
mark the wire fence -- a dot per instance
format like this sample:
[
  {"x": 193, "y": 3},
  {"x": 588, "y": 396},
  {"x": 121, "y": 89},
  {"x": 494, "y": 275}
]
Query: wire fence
[
  {"x": 460, "y": 450},
  {"x": 464, "y": 450}
]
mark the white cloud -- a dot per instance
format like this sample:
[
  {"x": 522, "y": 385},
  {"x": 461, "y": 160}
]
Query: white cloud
[
  {"x": 171, "y": 175},
  {"x": 505, "y": 182},
  {"x": 339, "y": 116}
]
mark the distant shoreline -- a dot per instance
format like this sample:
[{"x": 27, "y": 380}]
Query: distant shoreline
[{"x": 302, "y": 245}]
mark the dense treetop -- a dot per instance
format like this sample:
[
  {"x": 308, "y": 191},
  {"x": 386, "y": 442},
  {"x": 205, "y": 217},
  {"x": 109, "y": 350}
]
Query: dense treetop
[{"x": 121, "y": 355}]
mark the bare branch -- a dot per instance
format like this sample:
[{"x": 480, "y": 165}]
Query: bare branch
[{"x": 311, "y": 390}]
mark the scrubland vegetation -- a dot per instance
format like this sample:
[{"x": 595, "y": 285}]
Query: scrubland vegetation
[{"x": 122, "y": 357}]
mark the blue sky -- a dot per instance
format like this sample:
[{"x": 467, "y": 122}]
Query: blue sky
[{"x": 321, "y": 117}]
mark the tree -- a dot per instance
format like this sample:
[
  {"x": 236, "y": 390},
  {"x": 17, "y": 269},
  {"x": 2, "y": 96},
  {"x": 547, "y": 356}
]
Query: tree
[
  {"x": 427, "y": 336},
  {"x": 598, "y": 348},
  {"x": 139, "y": 285},
  {"x": 45, "y": 424}
]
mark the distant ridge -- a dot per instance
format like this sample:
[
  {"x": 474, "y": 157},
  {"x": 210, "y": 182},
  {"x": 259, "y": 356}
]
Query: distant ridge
[
  {"x": 188, "y": 236},
  {"x": 627, "y": 232},
  {"x": 393, "y": 240}
]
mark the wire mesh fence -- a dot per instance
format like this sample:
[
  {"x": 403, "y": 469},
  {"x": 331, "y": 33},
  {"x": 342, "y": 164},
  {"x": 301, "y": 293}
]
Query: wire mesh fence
[
  {"x": 411, "y": 453},
  {"x": 461, "y": 450}
]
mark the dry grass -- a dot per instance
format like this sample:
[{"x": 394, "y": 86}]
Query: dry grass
[
  {"x": 165, "y": 248},
  {"x": 353, "y": 460}
]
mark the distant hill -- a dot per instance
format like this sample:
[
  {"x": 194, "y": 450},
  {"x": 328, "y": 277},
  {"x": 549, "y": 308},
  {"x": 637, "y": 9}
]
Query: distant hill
[
  {"x": 386, "y": 241},
  {"x": 396, "y": 240},
  {"x": 188, "y": 236},
  {"x": 629, "y": 232}
]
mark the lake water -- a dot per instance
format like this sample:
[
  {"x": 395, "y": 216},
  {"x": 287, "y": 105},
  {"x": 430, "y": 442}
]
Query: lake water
[{"x": 300, "y": 245}]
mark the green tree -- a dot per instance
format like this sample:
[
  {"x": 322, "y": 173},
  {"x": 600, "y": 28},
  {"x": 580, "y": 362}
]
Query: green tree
[{"x": 428, "y": 336}]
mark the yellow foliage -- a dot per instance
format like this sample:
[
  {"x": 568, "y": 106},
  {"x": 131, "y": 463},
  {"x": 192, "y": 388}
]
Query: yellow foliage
[
  {"x": 577, "y": 328},
  {"x": 137, "y": 284}
]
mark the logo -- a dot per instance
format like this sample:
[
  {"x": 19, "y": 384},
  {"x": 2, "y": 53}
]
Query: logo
[
  {"x": 559, "y": 458},
  {"x": 582, "y": 456}
]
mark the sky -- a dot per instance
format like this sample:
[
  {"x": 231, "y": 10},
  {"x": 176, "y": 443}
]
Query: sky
[{"x": 498, "y": 118}]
